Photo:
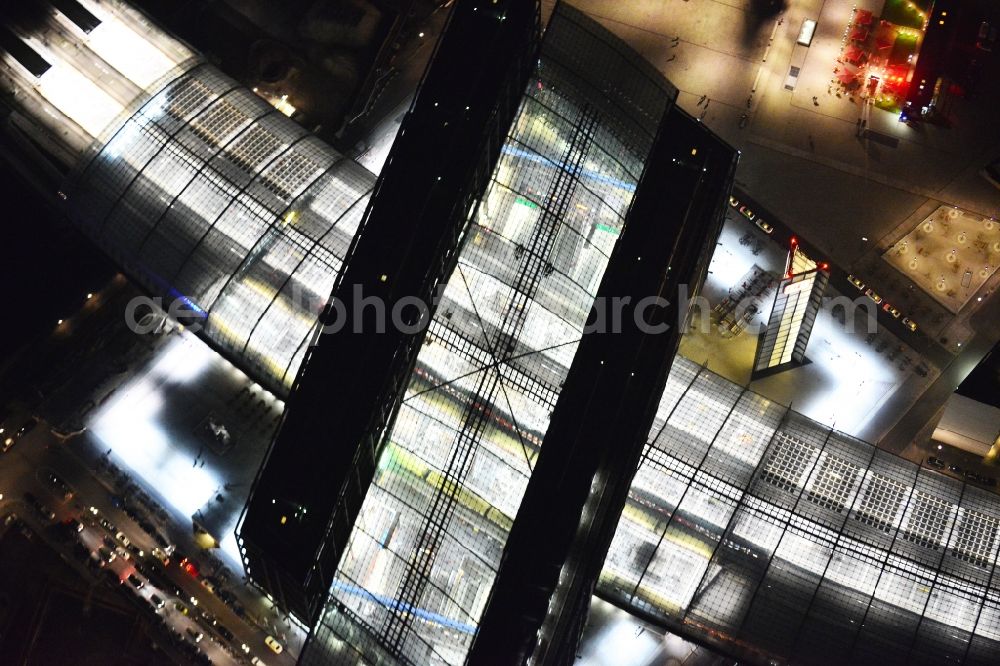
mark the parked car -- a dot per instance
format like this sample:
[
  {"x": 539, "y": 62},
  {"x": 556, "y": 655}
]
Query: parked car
[
  {"x": 43, "y": 510},
  {"x": 892, "y": 309},
  {"x": 856, "y": 282},
  {"x": 909, "y": 323},
  {"x": 747, "y": 213},
  {"x": 189, "y": 565},
  {"x": 765, "y": 227},
  {"x": 936, "y": 463},
  {"x": 870, "y": 293},
  {"x": 59, "y": 486},
  {"x": 273, "y": 643},
  {"x": 972, "y": 476},
  {"x": 106, "y": 556},
  {"x": 156, "y": 601},
  {"x": 135, "y": 581}
]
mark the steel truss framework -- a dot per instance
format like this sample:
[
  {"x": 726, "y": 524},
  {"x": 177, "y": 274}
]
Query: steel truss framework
[
  {"x": 427, "y": 544},
  {"x": 774, "y": 535}
]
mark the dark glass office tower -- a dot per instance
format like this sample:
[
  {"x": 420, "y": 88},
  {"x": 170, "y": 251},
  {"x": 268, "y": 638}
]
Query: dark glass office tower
[
  {"x": 579, "y": 485},
  {"x": 310, "y": 490}
]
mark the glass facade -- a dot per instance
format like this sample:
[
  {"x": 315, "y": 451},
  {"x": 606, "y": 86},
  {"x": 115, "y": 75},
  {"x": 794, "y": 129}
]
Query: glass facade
[
  {"x": 793, "y": 314},
  {"x": 425, "y": 549},
  {"x": 213, "y": 199},
  {"x": 751, "y": 525}
]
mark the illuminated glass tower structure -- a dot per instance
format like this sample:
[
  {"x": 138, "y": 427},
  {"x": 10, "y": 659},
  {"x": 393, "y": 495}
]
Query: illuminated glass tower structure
[{"x": 782, "y": 344}]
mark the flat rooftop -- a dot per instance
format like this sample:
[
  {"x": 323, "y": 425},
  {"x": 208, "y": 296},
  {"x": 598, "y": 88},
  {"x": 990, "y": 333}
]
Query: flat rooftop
[{"x": 852, "y": 371}]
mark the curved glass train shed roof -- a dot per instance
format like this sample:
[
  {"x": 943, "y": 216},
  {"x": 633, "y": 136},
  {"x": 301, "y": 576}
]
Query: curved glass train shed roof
[
  {"x": 237, "y": 216},
  {"x": 780, "y": 538}
]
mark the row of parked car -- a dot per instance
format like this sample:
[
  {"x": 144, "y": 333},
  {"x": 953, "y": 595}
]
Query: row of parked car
[
  {"x": 115, "y": 545},
  {"x": 745, "y": 211},
  {"x": 878, "y": 300},
  {"x": 138, "y": 506},
  {"x": 968, "y": 475},
  {"x": 191, "y": 609}
]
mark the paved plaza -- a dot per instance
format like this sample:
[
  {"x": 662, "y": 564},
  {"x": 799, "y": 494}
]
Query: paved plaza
[
  {"x": 853, "y": 197},
  {"x": 950, "y": 255},
  {"x": 153, "y": 425}
]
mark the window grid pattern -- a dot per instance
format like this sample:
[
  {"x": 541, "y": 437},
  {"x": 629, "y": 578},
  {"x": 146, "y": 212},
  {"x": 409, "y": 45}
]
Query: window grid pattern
[
  {"x": 789, "y": 461},
  {"x": 883, "y": 498},
  {"x": 928, "y": 521},
  {"x": 833, "y": 483},
  {"x": 823, "y": 550},
  {"x": 209, "y": 197},
  {"x": 499, "y": 348}
]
